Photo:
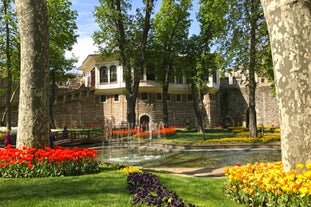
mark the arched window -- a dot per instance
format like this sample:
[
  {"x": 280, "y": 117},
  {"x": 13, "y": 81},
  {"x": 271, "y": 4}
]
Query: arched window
[
  {"x": 104, "y": 74},
  {"x": 113, "y": 73}
]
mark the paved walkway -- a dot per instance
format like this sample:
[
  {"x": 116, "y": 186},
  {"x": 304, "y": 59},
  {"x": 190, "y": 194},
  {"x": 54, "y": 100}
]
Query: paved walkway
[{"x": 194, "y": 172}]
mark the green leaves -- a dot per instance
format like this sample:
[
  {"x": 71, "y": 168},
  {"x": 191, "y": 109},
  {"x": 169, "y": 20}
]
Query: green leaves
[{"x": 62, "y": 34}]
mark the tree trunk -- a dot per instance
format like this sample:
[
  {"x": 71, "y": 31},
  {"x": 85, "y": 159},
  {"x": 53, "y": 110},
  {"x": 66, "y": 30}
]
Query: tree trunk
[
  {"x": 165, "y": 86},
  {"x": 33, "y": 114},
  {"x": 132, "y": 83},
  {"x": 52, "y": 98},
  {"x": 289, "y": 24},
  {"x": 131, "y": 106},
  {"x": 10, "y": 101},
  {"x": 252, "y": 64},
  {"x": 164, "y": 103},
  {"x": 9, "y": 73},
  {"x": 198, "y": 111}
]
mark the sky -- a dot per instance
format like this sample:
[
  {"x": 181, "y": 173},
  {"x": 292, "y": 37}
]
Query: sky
[{"x": 87, "y": 26}]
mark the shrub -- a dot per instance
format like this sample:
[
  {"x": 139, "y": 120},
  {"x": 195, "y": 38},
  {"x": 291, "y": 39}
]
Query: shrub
[{"x": 31, "y": 162}]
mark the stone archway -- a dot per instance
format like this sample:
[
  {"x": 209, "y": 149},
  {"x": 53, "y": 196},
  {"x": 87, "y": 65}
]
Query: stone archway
[{"x": 144, "y": 122}]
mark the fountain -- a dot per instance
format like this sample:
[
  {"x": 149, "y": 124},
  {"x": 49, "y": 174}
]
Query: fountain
[{"x": 124, "y": 148}]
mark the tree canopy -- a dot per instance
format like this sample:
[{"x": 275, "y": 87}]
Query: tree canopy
[
  {"x": 126, "y": 34},
  {"x": 170, "y": 29}
]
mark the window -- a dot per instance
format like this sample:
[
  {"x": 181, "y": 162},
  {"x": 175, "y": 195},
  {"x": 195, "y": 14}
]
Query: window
[
  {"x": 103, "y": 74},
  {"x": 168, "y": 97},
  {"x": 189, "y": 97},
  {"x": 214, "y": 77},
  {"x": 159, "y": 96},
  {"x": 103, "y": 98},
  {"x": 113, "y": 73},
  {"x": 116, "y": 97},
  {"x": 144, "y": 96},
  {"x": 178, "y": 97},
  {"x": 179, "y": 79}
]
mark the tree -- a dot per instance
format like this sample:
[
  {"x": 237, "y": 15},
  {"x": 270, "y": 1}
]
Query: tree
[
  {"x": 243, "y": 42},
  {"x": 171, "y": 27},
  {"x": 33, "y": 118},
  {"x": 62, "y": 32},
  {"x": 199, "y": 59},
  {"x": 128, "y": 35},
  {"x": 9, "y": 44},
  {"x": 199, "y": 65},
  {"x": 289, "y": 24}
]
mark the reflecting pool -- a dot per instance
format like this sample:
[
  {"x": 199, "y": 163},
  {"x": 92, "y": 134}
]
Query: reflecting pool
[{"x": 187, "y": 158}]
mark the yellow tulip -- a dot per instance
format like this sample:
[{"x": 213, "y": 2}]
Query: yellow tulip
[{"x": 299, "y": 166}]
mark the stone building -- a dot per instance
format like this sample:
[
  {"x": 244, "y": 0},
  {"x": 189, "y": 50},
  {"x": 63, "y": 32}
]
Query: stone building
[
  {"x": 105, "y": 76},
  {"x": 98, "y": 98}
]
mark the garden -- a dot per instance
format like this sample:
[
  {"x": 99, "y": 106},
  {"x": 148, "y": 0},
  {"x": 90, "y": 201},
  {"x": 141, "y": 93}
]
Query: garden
[{"x": 74, "y": 177}]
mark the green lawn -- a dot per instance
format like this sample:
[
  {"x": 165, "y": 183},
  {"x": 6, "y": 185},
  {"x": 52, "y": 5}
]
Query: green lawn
[
  {"x": 192, "y": 136},
  {"x": 108, "y": 188}
]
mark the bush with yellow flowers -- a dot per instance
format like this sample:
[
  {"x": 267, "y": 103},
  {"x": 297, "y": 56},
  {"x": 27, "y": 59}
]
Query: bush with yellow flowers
[
  {"x": 264, "y": 139},
  {"x": 266, "y": 184}
]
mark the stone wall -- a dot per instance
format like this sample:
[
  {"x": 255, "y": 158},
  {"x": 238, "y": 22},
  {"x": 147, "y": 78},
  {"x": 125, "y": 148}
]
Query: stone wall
[
  {"x": 180, "y": 112},
  {"x": 211, "y": 104},
  {"x": 227, "y": 107},
  {"x": 234, "y": 104},
  {"x": 79, "y": 107}
]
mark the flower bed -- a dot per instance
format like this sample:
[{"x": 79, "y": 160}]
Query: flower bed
[
  {"x": 146, "y": 189},
  {"x": 31, "y": 162},
  {"x": 266, "y": 184},
  {"x": 264, "y": 139},
  {"x": 138, "y": 132}
]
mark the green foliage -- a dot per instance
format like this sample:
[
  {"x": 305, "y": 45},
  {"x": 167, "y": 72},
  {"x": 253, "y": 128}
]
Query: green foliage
[
  {"x": 212, "y": 23},
  {"x": 170, "y": 31},
  {"x": 120, "y": 28},
  {"x": 171, "y": 25},
  {"x": 126, "y": 34},
  {"x": 9, "y": 41},
  {"x": 62, "y": 35},
  {"x": 231, "y": 26}
]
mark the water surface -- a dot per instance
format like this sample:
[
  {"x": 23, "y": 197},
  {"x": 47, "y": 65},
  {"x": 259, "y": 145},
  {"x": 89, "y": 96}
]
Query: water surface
[{"x": 187, "y": 158}]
